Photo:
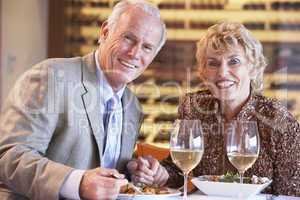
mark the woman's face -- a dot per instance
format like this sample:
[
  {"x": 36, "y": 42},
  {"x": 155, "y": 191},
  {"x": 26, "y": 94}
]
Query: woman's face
[{"x": 227, "y": 74}]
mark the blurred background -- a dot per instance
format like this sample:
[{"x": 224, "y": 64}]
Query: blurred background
[{"x": 33, "y": 30}]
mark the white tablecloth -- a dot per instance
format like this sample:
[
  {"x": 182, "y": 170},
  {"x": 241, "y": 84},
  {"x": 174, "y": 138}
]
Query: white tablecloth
[{"x": 197, "y": 196}]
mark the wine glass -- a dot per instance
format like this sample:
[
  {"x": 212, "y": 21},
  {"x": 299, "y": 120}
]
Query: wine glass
[
  {"x": 186, "y": 146},
  {"x": 243, "y": 144}
]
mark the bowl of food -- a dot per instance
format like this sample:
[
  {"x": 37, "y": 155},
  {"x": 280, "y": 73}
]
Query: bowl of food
[{"x": 228, "y": 185}]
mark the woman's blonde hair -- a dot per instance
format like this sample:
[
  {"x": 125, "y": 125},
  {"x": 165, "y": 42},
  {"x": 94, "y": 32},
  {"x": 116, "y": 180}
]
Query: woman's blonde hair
[{"x": 224, "y": 36}]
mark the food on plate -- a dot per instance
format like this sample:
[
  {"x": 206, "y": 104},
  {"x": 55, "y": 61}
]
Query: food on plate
[
  {"x": 230, "y": 177},
  {"x": 259, "y": 180},
  {"x": 147, "y": 190},
  {"x": 127, "y": 189}
]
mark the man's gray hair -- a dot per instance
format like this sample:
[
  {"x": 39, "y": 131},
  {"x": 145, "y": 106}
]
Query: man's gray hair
[{"x": 149, "y": 8}]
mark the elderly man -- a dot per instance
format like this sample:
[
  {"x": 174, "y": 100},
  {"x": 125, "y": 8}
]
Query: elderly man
[{"x": 69, "y": 126}]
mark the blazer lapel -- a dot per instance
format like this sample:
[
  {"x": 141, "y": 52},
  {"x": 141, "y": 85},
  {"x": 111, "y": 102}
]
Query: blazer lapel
[
  {"x": 91, "y": 99},
  {"x": 130, "y": 128}
]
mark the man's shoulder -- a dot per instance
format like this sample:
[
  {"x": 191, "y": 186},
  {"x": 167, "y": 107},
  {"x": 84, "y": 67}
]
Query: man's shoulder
[
  {"x": 129, "y": 95},
  {"x": 131, "y": 100},
  {"x": 64, "y": 69},
  {"x": 60, "y": 63}
]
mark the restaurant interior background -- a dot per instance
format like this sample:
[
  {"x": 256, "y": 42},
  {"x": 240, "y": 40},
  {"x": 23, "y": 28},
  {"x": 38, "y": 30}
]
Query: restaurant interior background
[{"x": 32, "y": 30}]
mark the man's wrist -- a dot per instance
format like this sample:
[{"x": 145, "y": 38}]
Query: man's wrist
[{"x": 70, "y": 188}]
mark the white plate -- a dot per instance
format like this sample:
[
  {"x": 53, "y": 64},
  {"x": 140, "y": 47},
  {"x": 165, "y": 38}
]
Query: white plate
[
  {"x": 172, "y": 193},
  {"x": 228, "y": 189}
]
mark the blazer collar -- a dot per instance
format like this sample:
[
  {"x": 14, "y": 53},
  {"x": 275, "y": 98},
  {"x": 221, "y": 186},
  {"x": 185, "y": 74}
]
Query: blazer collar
[{"x": 90, "y": 99}]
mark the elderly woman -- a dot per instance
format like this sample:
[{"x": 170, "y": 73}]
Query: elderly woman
[{"x": 231, "y": 65}]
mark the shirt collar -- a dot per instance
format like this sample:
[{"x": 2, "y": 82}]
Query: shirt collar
[{"x": 106, "y": 89}]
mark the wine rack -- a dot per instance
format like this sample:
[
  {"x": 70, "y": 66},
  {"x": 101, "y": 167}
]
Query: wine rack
[{"x": 275, "y": 23}]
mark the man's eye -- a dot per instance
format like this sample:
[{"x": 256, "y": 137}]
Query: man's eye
[
  {"x": 148, "y": 48},
  {"x": 128, "y": 38}
]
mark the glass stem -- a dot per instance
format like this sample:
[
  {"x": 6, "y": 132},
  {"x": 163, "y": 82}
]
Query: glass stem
[
  {"x": 185, "y": 185},
  {"x": 241, "y": 176}
]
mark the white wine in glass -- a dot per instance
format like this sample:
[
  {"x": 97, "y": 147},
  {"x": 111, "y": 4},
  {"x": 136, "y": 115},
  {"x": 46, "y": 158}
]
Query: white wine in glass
[
  {"x": 242, "y": 144},
  {"x": 242, "y": 162},
  {"x": 186, "y": 159},
  {"x": 186, "y": 146}
]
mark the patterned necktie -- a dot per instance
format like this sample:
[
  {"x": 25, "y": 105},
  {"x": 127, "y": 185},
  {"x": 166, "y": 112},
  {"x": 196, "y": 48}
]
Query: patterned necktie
[
  {"x": 111, "y": 129},
  {"x": 109, "y": 116}
]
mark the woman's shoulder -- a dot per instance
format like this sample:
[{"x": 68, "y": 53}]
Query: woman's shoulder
[
  {"x": 269, "y": 105},
  {"x": 197, "y": 103},
  {"x": 199, "y": 95},
  {"x": 202, "y": 98},
  {"x": 270, "y": 110}
]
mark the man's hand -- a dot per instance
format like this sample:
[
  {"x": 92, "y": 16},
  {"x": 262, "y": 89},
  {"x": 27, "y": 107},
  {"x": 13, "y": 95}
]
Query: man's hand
[
  {"x": 147, "y": 170},
  {"x": 100, "y": 183}
]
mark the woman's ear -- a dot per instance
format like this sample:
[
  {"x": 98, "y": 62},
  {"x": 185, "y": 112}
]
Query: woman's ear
[
  {"x": 104, "y": 31},
  {"x": 200, "y": 70},
  {"x": 252, "y": 72}
]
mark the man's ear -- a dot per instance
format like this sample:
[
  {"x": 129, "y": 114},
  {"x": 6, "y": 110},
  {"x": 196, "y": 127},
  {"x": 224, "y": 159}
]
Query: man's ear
[{"x": 104, "y": 31}]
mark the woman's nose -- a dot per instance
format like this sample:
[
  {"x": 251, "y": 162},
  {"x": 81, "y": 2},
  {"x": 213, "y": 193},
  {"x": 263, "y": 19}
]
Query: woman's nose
[{"x": 223, "y": 70}]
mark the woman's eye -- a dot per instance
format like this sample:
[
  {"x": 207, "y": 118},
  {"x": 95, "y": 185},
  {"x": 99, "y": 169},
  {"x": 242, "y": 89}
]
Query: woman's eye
[
  {"x": 212, "y": 64},
  {"x": 234, "y": 61}
]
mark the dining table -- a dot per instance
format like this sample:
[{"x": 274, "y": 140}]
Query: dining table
[{"x": 200, "y": 196}]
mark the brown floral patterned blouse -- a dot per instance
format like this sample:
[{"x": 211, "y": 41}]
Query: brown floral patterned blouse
[{"x": 279, "y": 157}]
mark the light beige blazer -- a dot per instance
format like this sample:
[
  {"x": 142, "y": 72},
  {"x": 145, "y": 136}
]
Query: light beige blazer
[{"x": 51, "y": 124}]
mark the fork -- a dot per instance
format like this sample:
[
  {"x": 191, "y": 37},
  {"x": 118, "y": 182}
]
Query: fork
[{"x": 135, "y": 188}]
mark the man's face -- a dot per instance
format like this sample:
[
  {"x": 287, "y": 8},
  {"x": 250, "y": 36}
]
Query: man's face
[
  {"x": 128, "y": 49},
  {"x": 228, "y": 74}
]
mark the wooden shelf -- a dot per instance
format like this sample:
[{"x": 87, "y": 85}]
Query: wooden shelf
[
  {"x": 188, "y": 17},
  {"x": 194, "y": 35},
  {"x": 263, "y": 36},
  {"x": 212, "y": 15},
  {"x": 187, "y": 20}
]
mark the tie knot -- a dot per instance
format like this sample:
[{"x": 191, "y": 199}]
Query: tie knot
[{"x": 111, "y": 104}]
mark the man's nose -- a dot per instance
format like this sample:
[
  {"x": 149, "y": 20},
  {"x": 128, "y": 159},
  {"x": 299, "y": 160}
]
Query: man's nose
[{"x": 134, "y": 51}]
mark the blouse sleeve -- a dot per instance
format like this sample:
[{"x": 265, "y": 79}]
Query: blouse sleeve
[
  {"x": 286, "y": 179},
  {"x": 175, "y": 177}
]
